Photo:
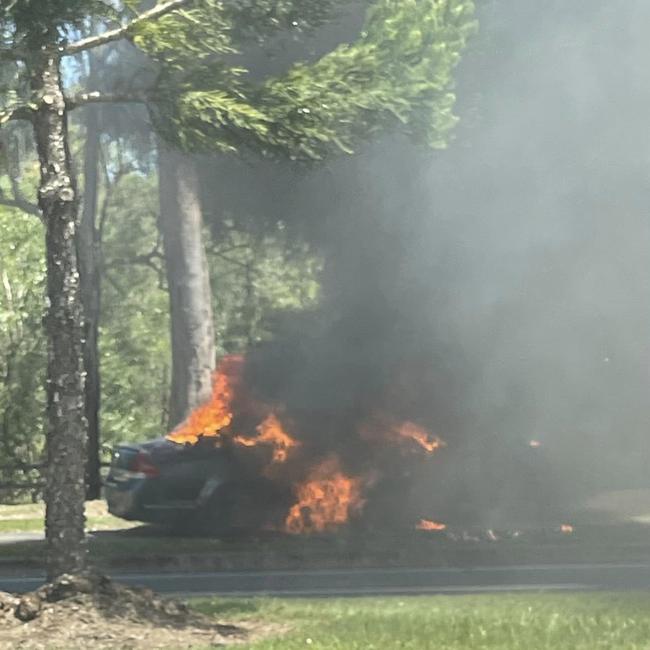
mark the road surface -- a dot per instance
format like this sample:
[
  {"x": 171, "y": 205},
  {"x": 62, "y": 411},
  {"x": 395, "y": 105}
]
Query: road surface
[{"x": 358, "y": 582}]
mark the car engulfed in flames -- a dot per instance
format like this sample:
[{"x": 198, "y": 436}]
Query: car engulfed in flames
[{"x": 235, "y": 464}]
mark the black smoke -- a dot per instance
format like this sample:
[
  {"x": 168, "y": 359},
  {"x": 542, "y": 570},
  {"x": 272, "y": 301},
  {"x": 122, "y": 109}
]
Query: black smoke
[{"x": 497, "y": 292}]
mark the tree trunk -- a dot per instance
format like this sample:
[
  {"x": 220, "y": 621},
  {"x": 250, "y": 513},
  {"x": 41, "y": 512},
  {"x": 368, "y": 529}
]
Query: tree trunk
[
  {"x": 66, "y": 426},
  {"x": 90, "y": 284},
  {"x": 190, "y": 297}
]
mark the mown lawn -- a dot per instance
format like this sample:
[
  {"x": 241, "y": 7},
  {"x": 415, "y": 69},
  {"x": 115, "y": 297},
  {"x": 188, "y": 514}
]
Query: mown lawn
[
  {"x": 487, "y": 622},
  {"x": 30, "y": 517}
]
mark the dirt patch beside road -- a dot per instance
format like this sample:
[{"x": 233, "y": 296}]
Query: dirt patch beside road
[{"x": 91, "y": 611}]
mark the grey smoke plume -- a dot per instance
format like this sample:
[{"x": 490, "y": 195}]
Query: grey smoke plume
[{"x": 510, "y": 271}]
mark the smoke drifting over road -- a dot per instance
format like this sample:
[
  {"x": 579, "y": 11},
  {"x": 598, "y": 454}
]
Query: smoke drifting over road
[{"x": 498, "y": 291}]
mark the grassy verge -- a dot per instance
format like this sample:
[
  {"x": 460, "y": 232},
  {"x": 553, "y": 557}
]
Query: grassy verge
[
  {"x": 504, "y": 622},
  {"x": 347, "y": 548},
  {"x": 30, "y": 517},
  {"x": 37, "y": 525},
  {"x": 132, "y": 548}
]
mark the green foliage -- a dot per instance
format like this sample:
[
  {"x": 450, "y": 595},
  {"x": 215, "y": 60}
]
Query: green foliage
[
  {"x": 213, "y": 120},
  {"x": 252, "y": 278},
  {"x": 255, "y": 276},
  {"x": 13, "y": 90},
  {"x": 398, "y": 74},
  {"x": 258, "y": 19},
  {"x": 28, "y": 23},
  {"x": 22, "y": 344},
  {"x": 134, "y": 330},
  {"x": 184, "y": 39}
]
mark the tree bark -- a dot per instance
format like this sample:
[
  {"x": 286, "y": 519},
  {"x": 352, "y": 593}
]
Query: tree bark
[
  {"x": 188, "y": 278},
  {"x": 90, "y": 285},
  {"x": 66, "y": 426}
]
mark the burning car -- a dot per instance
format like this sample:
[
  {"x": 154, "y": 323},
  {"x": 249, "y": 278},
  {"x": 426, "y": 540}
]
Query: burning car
[
  {"x": 201, "y": 475},
  {"x": 202, "y": 486},
  {"x": 237, "y": 463}
]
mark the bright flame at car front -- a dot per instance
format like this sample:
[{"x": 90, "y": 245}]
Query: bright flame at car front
[
  {"x": 328, "y": 497},
  {"x": 325, "y": 500},
  {"x": 271, "y": 432},
  {"x": 210, "y": 418}
]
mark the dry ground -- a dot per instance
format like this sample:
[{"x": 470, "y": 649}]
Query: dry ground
[{"x": 77, "y": 613}]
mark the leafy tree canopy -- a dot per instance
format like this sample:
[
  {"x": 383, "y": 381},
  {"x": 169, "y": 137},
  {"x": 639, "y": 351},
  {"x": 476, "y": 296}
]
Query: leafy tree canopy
[
  {"x": 254, "y": 276},
  {"x": 396, "y": 74}
]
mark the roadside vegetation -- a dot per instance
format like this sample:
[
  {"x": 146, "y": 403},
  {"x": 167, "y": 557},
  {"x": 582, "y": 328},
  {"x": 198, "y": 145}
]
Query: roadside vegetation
[
  {"x": 134, "y": 344},
  {"x": 30, "y": 517},
  {"x": 120, "y": 543},
  {"x": 504, "y": 622}
]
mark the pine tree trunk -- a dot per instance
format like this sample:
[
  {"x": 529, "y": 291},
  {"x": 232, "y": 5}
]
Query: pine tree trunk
[
  {"x": 90, "y": 284},
  {"x": 66, "y": 426},
  {"x": 190, "y": 297}
]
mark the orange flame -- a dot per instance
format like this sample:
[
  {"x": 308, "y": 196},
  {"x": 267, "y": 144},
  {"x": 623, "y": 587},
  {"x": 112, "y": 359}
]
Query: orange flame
[
  {"x": 271, "y": 432},
  {"x": 567, "y": 529},
  {"x": 215, "y": 414},
  {"x": 426, "y": 524},
  {"x": 384, "y": 427},
  {"x": 429, "y": 442},
  {"x": 325, "y": 500}
]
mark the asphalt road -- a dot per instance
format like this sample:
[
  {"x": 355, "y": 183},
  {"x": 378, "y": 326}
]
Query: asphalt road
[{"x": 358, "y": 582}]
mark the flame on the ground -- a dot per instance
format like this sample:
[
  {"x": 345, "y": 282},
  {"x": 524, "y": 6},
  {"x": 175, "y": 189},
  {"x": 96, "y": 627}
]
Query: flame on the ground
[
  {"x": 383, "y": 427},
  {"x": 326, "y": 500},
  {"x": 428, "y": 441},
  {"x": 271, "y": 432},
  {"x": 214, "y": 415},
  {"x": 535, "y": 444},
  {"x": 427, "y": 524},
  {"x": 567, "y": 529}
]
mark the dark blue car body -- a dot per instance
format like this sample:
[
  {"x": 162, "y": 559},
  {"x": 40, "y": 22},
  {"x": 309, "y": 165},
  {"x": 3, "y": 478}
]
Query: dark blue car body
[{"x": 205, "y": 486}]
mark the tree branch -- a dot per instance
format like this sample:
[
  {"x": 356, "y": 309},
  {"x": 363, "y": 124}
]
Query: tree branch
[
  {"x": 18, "y": 197},
  {"x": 18, "y": 113},
  {"x": 229, "y": 260},
  {"x": 14, "y": 166},
  {"x": 147, "y": 259},
  {"x": 20, "y": 204},
  {"x": 83, "y": 99},
  {"x": 14, "y": 54},
  {"x": 119, "y": 33},
  {"x": 114, "y": 283}
]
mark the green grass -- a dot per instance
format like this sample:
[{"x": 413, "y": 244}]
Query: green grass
[
  {"x": 503, "y": 622},
  {"x": 21, "y": 525},
  {"x": 30, "y": 517},
  {"x": 589, "y": 543},
  {"x": 28, "y": 525},
  {"x": 147, "y": 544},
  {"x": 105, "y": 549}
]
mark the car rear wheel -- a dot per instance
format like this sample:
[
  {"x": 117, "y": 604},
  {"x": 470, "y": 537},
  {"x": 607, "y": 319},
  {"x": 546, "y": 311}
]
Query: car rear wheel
[{"x": 243, "y": 508}]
